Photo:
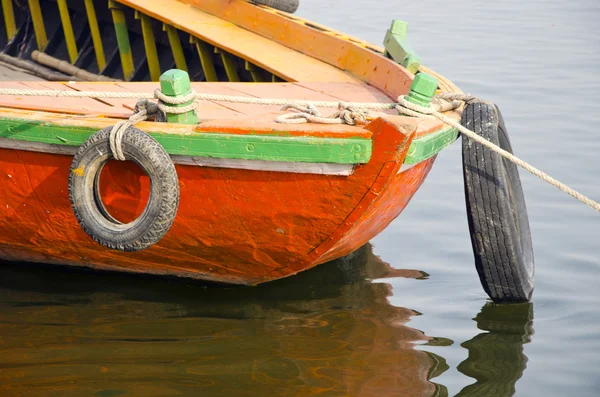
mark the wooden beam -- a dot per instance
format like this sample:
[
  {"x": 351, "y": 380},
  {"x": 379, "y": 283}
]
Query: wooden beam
[
  {"x": 9, "y": 18},
  {"x": 95, "y": 32},
  {"x": 282, "y": 148},
  {"x": 150, "y": 46},
  {"x": 120, "y": 23},
  {"x": 206, "y": 59},
  {"x": 38, "y": 24}
]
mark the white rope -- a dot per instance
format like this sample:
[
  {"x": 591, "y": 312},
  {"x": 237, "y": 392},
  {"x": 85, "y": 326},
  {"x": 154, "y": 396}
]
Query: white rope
[
  {"x": 305, "y": 112},
  {"x": 310, "y": 114},
  {"x": 144, "y": 110},
  {"x": 205, "y": 97},
  {"x": 410, "y": 109}
]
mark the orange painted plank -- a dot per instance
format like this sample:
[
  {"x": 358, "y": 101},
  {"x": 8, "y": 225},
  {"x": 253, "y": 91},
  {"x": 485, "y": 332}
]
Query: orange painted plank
[
  {"x": 261, "y": 51},
  {"x": 340, "y": 51},
  {"x": 66, "y": 105}
]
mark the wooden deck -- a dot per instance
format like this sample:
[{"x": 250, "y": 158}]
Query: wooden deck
[
  {"x": 211, "y": 110},
  {"x": 13, "y": 73}
]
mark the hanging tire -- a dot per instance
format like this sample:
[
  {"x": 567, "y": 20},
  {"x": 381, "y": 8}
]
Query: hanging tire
[
  {"x": 163, "y": 201},
  {"x": 496, "y": 210},
  {"x": 283, "y": 5}
]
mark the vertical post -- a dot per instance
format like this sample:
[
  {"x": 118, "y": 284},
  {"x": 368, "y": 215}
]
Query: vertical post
[
  {"x": 65, "y": 18},
  {"x": 9, "y": 18},
  {"x": 38, "y": 24},
  {"x": 230, "y": 66},
  {"x": 176, "y": 47},
  {"x": 397, "y": 47},
  {"x": 176, "y": 83},
  {"x": 206, "y": 59},
  {"x": 95, "y": 31},
  {"x": 422, "y": 89},
  {"x": 118, "y": 16},
  {"x": 256, "y": 72},
  {"x": 150, "y": 46}
]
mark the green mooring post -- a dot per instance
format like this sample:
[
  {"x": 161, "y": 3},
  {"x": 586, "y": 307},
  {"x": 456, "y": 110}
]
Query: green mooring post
[
  {"x": 397, "y": 47},
  {"x": 176, "y": 83},
  {"x": 422, "y": 89}
]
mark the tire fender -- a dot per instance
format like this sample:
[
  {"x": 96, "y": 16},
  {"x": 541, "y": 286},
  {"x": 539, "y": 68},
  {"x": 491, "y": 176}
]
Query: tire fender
[
  {"x": 496, "y": 210},
  {"x": 163, "y": 201}
]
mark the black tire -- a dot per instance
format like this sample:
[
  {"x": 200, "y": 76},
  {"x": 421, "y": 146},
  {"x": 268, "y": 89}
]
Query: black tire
[
  {"x": 496, "y": 210},
  {"x": 160, "y": 211},
  {"x": 283, "y": 5}
]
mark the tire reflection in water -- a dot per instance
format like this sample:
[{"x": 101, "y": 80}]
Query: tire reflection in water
[{"x": 496, "y": 359}]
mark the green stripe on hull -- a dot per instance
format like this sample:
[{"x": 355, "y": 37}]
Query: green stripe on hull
[
  {"x": 430, "y": 145},
  {"x": 216, "y": 145}
]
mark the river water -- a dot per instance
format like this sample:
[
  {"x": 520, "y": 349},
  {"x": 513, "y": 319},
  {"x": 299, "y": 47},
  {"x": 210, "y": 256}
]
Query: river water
[{"x": 405, "y": 316}]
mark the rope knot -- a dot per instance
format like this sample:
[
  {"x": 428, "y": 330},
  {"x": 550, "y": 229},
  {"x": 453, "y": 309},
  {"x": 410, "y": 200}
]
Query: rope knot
[
  {"x": 144, "y": 110},
  {"x": 308, "y": 113},
  {"x": 351, "y": 115},
  {"x": 166, "y": 103}
]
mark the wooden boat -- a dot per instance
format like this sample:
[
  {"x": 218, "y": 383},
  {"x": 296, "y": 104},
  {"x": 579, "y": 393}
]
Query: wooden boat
[{"x": 258, "y": 200}]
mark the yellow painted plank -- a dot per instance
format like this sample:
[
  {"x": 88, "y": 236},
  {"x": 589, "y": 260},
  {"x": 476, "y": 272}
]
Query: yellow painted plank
[
  {"x": 120, "y": 23},
  {"x": 206, "y": 59},
  {"x": 150, "y": 47},
  {"x": 38, "y": 24},
  {"x": 65, "y": 19},
  {"x": 176, "y": 47},
  {"x": 95, "y": 31},
  {"x": 9, "y": 18},
  {"x": 230, "y": 66},
  {"x": 276, "y": 58}
]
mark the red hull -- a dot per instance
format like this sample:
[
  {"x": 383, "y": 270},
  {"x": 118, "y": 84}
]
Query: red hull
[{"x": 233, "y": 225}]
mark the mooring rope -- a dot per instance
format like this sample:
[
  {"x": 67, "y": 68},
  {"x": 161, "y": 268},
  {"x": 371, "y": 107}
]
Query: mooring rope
[
  {"x": 144, "y": 110},
  {"x": 411, "y": 109},
  {"x": 308, "y": 112}
]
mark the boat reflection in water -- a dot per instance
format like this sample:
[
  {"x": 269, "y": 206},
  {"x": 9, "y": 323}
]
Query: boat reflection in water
[{"x": 329, "y": 331}]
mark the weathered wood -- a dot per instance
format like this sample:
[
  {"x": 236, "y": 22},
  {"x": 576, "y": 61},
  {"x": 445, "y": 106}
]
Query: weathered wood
[
  {"x": 176, "y": 49},
  {"x": 258, "y": 49},
  {"x": 149, "y": 46},
  {"x": 233, "y": 225},
  {"x": 38, "y": 24},
  {"x": 95, "y": 32},
  {"x": 397, "y": 47},
  {"x": 253, "y": 165},
  {"x": 217, "y": 145},
  {"x": 9, "y": 18},
  {"x": 176, "y": 83},
  {"x": 122, "y": 33},
  {"x": 206, "y": 59},
  {"x": 66, "y": 68}
]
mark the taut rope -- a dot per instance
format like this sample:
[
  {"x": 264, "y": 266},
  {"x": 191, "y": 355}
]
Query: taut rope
[{"x": 348, "y": 112}]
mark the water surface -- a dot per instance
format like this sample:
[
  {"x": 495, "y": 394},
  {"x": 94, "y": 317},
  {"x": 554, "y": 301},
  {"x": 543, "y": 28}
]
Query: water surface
[{"x": 420, "y": 326}]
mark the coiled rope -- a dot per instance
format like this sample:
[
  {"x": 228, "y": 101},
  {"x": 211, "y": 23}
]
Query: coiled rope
[{"x": 305, "y": 111}]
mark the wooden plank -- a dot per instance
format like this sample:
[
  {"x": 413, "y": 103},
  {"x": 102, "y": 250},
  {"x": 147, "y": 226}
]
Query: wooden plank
[
  {"x": 252, "y": 165},
  {"x": 65, "y": 19},
  {"x": 262, "y": 51},
  {"x": 63, "y": 105},
  {"x": 9, "y": 18},
  {"x": 283, "y": 148},
  {"x": 38, "y": 24},
  {"x": 355, "y": 57},
  {"x": 96, "y": 36}
]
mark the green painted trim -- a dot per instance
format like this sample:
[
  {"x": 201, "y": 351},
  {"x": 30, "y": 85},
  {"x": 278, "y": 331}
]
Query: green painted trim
[
  {"x": 276, "y": 147},
  {"x": 425, "y": 147},
  {"x": 397, "y": 47}
]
